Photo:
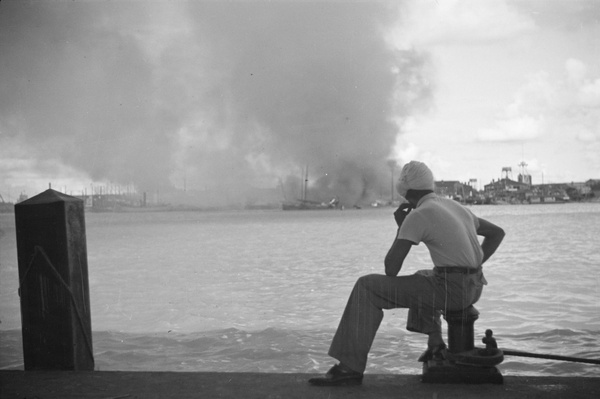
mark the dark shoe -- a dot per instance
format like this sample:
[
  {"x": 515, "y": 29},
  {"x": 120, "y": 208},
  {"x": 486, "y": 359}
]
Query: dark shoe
[
  {"x": 436, "y": 353},
  {"x": 337, "y": 376}
]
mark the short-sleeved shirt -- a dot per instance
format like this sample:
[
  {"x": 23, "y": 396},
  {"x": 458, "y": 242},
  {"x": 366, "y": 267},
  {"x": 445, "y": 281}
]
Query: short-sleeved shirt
[{"x": 448, "y": 229}]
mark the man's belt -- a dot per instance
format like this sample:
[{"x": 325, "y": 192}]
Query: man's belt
[{"x": 457, "y": 269}]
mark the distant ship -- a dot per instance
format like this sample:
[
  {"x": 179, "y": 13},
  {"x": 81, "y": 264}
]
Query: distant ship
[
  {"x": 547, "y": 200},
  {"x": 305, "y": 204}
]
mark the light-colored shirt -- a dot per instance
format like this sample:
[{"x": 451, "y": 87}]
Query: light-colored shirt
[{"x": 448, "y": 229}]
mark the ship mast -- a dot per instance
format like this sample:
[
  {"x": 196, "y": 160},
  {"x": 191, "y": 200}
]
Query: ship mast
[{"x": 305, "y": 185}]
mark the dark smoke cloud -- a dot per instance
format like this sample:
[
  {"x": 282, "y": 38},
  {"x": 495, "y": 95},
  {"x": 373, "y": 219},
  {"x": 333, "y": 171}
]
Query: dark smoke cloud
[
  {"x": 81, "y": 92},
  {"x": 224, "y": 95}
]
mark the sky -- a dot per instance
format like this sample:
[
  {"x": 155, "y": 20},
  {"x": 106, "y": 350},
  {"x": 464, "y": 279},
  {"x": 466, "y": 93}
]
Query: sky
[{"x": 227, "y": 97}]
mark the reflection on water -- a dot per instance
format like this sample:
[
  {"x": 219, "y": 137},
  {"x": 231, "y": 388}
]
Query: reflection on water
[{"x": 264, "y": 291}]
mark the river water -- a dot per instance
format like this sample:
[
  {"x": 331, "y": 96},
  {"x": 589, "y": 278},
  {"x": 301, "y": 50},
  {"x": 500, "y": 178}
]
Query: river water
[{"x": 264, "y": 290}]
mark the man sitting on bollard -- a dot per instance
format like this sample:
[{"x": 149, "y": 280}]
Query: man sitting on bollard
[{"x": 450, "y": 232}]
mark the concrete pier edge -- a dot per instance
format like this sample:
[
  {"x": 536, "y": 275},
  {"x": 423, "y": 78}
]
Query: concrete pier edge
[{"x": 18, "y": 384}]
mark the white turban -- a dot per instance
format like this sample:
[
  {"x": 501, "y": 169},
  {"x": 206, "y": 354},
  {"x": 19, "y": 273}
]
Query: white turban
[{"x": 415, "y": 175}]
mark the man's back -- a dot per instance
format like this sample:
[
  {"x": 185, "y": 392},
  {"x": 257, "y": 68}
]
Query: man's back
[{"x": 447, "y": 228}]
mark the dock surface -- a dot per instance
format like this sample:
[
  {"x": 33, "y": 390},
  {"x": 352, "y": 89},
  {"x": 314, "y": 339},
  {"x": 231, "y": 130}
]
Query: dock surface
[{"x": 148, "y": 385}]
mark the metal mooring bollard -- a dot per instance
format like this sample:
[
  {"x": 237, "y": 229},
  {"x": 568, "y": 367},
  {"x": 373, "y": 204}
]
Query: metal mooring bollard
[
  {"x": 54, "y": 288},
  {"x": 460, "y": 329}
]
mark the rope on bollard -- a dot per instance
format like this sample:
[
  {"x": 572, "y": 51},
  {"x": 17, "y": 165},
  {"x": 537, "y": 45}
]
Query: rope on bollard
[
  {"x": 39, "y": 250},
  {"x": 509, "y": 352}
]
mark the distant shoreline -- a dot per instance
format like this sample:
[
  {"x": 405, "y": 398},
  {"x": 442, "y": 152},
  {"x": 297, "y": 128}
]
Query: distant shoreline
[{"x": 8, "y": 208}]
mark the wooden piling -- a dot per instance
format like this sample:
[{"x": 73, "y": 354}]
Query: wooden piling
[{"x": 54, "y": 288}]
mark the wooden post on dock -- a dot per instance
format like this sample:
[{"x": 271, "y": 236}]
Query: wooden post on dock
[{"x": 54, "y": 288}]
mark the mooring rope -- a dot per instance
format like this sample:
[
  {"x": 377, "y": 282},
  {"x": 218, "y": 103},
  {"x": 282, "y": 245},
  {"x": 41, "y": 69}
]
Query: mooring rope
[
  {"x": 39, "y": 250},
  {"x": 510, "y": 352}
]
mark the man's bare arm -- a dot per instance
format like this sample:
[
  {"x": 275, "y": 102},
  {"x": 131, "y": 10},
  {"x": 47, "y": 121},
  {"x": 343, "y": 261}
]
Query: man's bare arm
[
  {"x": 395, "y": 256},
  {"x": 493, "y": 236}
]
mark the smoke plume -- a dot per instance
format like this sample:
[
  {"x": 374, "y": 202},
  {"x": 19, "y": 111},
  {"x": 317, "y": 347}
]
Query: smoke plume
[{"x": 220, "y": 96}]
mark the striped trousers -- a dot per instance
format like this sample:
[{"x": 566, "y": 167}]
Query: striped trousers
[{"x": 425, "y": 293}]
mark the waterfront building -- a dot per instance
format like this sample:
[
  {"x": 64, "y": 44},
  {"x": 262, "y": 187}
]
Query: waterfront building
[
  {"x": 507, "y": 190},
  {"x": 458, "y": 191},
  {"x": 448, "y": 189}
]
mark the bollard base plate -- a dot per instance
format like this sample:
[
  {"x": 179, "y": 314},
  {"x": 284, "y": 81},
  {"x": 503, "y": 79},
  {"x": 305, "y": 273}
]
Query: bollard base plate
[{"x": 445, "y": 372}]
